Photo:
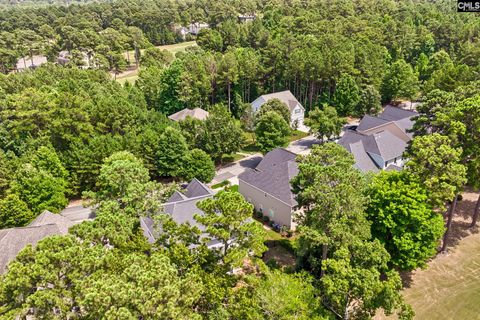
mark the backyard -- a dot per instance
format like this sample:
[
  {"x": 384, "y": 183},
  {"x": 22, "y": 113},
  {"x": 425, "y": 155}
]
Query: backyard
[{"x": 450, "y": 287}]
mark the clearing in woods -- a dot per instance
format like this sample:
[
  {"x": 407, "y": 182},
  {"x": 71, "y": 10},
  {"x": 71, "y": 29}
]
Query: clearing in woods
[
  {"x": 132, "y": 75},
  {"x": 450, "y": 287}
]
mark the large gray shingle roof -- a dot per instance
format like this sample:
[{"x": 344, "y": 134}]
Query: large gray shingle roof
[
  {"x": 273, "y": 175},
  {"x": 13, "y": 240},
  {"x": 182, "y": 207},
  {"x": 392, "y": 113},
  {"x": 369, "y": 122}
]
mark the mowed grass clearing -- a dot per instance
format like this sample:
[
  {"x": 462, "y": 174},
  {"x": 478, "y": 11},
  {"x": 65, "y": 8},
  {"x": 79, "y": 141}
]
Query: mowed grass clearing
[
  {"x": 132, "y": 75},
  {"x": 449, "y": 289}
]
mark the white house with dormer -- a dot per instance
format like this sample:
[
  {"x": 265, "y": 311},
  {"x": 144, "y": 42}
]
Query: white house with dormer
[{"x": 297, "y": 111}]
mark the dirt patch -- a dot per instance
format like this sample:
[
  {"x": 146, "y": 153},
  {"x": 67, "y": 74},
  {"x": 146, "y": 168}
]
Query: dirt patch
[{"x": 282, "y": 257}]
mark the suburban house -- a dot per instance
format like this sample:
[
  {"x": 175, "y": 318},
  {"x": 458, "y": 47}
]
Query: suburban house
[
  {"x": 268, "y": 188},
  {"x": 32, "y": 62},
  {"x": 182, "y": 207},
  {"x": 64, "y": 57},
  {"x": 378, "y": 143},
  {"x": 246, "y": 17},
  {"x": 13, "y": 240},
  {"x": 195, "y": 28},
  {"x": 196, "y": 113},
  {"x": 297, "y": 111}
]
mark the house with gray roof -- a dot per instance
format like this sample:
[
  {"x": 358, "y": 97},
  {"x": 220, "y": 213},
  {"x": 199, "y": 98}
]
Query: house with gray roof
[
  {"x": 268, "y": 187},
  {"x": 297, "y": 111},
  {"x": 196, "y": 113},
  {"x": 13, "y": 240},
  {"x": 182, "y": 207},
  {"x": 378, "y": 143}
]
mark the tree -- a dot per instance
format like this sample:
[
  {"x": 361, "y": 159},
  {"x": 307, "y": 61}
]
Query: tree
[
  {"x": 271, "y": 131},
  {"x": 118, "y": 173},
  {"x": 42, "y": 183},
  {"x": 14, "y": 212},
  {"x": 436, "y": 164},
  {"x": 226, "y": 219},
  {"x": 325, "y": 123},
  {"x": 277, "y": 106},
  {"x": 198, "y": 164},
  {"x": 330, "y": 190},
  {"x": 400, "y": 81},
  {"x": 370, "y": 101},
  {"x": 347, "y": 95},
  {"x": 64, "y": 277},
  {"x": 402, "y": 220},
  {"x": 334, "y": 243},
  {"x": 221, "y": 134},
  {"x": 209, "y": 39},
  {"x": 154, "y": 57},
  {"x": 287, "y": 296},
  {"x": 171, "y": 153}
]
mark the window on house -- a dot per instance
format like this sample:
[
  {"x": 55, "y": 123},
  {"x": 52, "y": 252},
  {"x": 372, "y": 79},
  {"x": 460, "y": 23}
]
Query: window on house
[
  {"x": 270, "y": 213},
  {"x": 298, "y": 110}
]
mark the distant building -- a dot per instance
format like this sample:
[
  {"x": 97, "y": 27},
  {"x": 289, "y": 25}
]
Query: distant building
[
  {"x": 195, "y": 28},
  {"x": 378, "y": 143},
  {"x": 246, "y": 17},
  {"x": 32, "y": 62},
  {"x": 65, "y": 57},
  {"x": 195, "y": 113},
  {"x": 13, "y": 240},
  {"x": 268, "y": 187},
  {"x": 297, "y": 111}
]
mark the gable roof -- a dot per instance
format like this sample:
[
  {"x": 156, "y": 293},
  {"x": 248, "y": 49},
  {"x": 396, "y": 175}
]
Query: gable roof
[
  {"x": 197, "y": 189},
  {"x": 392, "y": 113},
  {"x": 369, "y": 122},
  {"x": 384, "y": 144},
  {"x": 196, "y": 113},
  {"x": 181, "y": 206},
  {"x": 274, "y": 157},
  {"x": 13, "y": 240},
  {"x": 273, "y": 174},
  {"x": 362, "y": 160},
  {"x": 46, "y": 217},
  {"x": 286, "y": 97}
]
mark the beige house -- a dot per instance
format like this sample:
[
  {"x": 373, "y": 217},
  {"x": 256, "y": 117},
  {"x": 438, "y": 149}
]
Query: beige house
[
  {"x": 196, "y": 113},
  {"x": 268, "y": 188}
]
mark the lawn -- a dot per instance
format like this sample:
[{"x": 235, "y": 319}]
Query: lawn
[
  {"x": 450, "y": 287},
  {"x": 132, "y": 76},
  {"x": 250, "y": 146}
]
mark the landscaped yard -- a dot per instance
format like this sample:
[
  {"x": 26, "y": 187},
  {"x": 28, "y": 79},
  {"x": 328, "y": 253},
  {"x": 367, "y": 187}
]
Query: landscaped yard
[
  {"x": 450, "y": 287},
  {"x": 132, "y": 75}
]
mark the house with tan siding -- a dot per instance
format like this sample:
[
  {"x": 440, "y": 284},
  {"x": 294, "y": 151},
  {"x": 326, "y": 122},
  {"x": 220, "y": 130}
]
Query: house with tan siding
[{"x": 268, "y": 187}]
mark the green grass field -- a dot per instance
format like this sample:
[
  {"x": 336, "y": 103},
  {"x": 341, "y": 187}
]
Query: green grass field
[
  {"x": 132, "y": 75},
  {"x": 449, "y": 288}
]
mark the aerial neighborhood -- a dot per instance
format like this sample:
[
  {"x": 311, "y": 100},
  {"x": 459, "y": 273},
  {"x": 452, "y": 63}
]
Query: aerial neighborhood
[{"x": 311, "y": 159}]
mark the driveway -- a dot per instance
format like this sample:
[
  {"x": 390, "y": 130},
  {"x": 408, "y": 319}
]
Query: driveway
[
  {"x": 302, "y": 146},
  {"x": 231, "y": 171}
]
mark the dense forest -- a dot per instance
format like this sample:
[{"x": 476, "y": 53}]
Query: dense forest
[{"x": 65, "y": 129}]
